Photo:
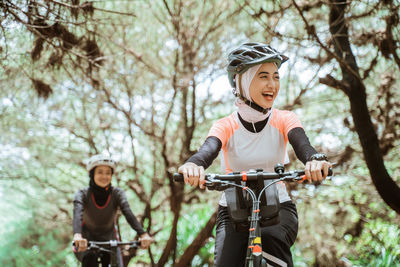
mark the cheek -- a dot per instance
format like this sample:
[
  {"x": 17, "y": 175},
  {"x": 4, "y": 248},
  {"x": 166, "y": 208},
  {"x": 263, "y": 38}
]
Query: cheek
[
  {"x": 252, "y": 94},
  {"x": 277, "y": 86},
  {"x": 255, "y": 89}
]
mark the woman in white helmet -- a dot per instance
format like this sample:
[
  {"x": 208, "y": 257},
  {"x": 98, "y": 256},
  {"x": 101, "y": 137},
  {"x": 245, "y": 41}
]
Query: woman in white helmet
[
  {"x": 95, "y": 211},
  {"x": 255, "y": 137}
]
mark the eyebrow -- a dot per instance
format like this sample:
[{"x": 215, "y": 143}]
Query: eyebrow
[{"x": 265, "y": 72}]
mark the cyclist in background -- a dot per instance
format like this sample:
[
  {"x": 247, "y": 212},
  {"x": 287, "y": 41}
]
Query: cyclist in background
[
  {"x": 95, "y": 211},
  {"x": 255, "y": 137}
]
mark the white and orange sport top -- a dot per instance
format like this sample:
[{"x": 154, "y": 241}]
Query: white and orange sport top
[{"x": 243, "y": 150}]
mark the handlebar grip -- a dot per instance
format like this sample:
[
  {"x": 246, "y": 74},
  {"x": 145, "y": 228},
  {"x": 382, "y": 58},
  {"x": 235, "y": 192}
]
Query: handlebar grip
[
  {"x": 178, "y": 177},
  {"x": 330, "y": 173}
]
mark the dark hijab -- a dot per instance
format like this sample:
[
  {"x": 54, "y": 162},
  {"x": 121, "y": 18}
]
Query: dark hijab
[{"x": 100, "y": 193}]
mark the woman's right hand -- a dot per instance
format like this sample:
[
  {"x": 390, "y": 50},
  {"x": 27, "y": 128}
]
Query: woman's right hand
[
  {"x": 80, "y": 242},
  {"x": 192, "y": 174}
]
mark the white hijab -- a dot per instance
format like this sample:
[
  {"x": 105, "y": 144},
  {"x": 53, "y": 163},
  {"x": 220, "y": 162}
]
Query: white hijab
[{"x": 246, "y": 112}]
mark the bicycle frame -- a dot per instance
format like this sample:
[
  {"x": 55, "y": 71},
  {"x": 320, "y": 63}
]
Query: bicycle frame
[{"x": 254, "y": 256}]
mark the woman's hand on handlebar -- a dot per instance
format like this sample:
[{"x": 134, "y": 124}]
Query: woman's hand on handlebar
[
  {"x": 145, "y": 240},
  {"x": 193, "y": 174},
  {"x": 317, "y": 170},
  {"x": 80, "y": 242}
]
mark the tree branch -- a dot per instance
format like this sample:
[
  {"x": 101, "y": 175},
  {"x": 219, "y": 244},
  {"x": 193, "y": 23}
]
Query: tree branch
[{"x": 201, "y": 238}]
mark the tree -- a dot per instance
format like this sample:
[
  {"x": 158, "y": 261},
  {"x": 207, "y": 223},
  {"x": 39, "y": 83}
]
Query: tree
[
  {"x": 112, "y": 90},
  {"x": 133, "y": 79},
  {"x": 347, "y": 34}
]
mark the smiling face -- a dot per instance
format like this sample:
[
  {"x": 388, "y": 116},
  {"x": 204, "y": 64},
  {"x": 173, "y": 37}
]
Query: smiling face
[
  {"x": 102, "y": 175},
  {"x": 265, "y": 85}
]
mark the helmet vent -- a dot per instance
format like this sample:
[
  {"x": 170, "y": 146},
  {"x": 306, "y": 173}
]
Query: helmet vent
[{"x": 250, "y": 54}]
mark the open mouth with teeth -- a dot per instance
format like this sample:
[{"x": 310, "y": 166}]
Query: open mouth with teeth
[{"x": 268, "y": 95}]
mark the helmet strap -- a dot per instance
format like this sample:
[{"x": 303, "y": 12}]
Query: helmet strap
[
  {"x": 240, "y": 85},
  {"x": 253, "y": 105}
]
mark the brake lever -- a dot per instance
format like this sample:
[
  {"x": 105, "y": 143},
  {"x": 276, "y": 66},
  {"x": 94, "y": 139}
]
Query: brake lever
[
  {"x": 212, "y": 184},
  {"x": 293, "y": 178},
  {"x": 93, "y": 246},
  {"x": 298, "y": 178},
  {"x": 98, "y": 248}
]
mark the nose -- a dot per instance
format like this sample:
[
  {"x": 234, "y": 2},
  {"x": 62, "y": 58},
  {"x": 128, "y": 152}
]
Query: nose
[{"x": 270, "y": 84}]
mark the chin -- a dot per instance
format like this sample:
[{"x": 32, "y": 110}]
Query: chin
[{"x": 267, "y": 106}]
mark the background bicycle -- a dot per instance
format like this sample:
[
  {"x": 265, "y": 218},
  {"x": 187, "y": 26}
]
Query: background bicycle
[{"x": 111, "y": 253}]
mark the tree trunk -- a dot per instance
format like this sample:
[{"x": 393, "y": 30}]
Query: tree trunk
[
  {"x": 353, "y": 86},
  {"x": 197, "y": 243},
  {"x": 175, "y": 200}
]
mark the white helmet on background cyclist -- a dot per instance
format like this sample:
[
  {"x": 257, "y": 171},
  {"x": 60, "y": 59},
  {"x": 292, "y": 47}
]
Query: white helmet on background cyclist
[{"x": 100, "y": 159}]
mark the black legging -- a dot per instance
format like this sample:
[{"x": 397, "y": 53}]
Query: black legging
[
  {"x": 91, "y": 259},
  {"x": 231, "y": 246}
]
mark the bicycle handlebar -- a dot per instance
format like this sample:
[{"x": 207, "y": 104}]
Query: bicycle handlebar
[
  {"x": 110, "y": 244},
  {"x": 295, "y": 175},
  {"x": 222, "y": 181},
  {"x": 114, "y": 243}
]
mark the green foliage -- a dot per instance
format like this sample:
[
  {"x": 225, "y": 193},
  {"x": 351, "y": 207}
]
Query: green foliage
[
  {"x": 133, "y": 106},
  {"x": 206, "y": 254},
  {"x": 377, "y": 246},
  {"x": 29, "y": 244},
  {"x": 344, "y": 221},
  {"x": 192, "y": 221},
  {"x": 194, "y": 217}
]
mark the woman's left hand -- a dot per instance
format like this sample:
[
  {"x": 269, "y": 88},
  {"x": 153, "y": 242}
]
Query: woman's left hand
[
  {"x": 317, "y": 170},
  {"x": 145, "y": 240}
]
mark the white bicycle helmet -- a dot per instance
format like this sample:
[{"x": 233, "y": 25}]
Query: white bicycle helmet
[{"x": 98, "y": 160}]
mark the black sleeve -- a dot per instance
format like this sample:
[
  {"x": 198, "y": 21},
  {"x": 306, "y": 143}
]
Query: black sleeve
[
  {"x": 207, "y": 152},
  {"x": 126, "y": 210},
  {"x": 301, "y": 145},
  {"x": 79, "y": 200}
]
